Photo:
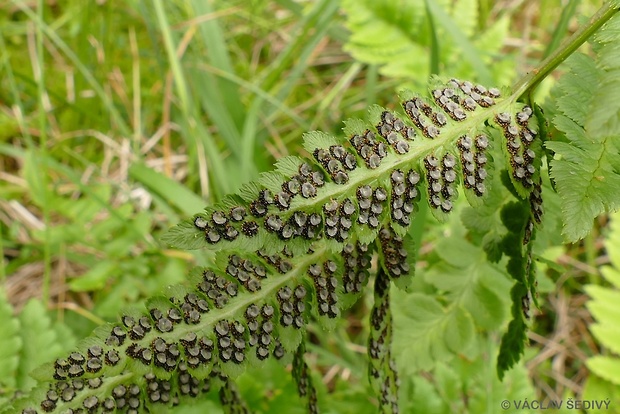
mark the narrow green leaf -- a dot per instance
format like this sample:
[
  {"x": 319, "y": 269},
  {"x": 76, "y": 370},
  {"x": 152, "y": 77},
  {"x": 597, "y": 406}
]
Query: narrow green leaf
[
  {"x": 562, "y": 26},
  {"x": 469, "y": 51}
]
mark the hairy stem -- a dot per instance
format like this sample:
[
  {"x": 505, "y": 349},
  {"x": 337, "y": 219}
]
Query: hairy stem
[{"x": 530, "y": 81}]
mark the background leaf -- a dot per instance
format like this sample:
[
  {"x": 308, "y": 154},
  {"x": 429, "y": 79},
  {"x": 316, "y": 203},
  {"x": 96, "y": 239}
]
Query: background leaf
[
  {"x": 585, "y": 168},
  {"x": 10, "y": 344},
  {"x": 605, "y": 308},
  {"x": 40, "y": 342}
]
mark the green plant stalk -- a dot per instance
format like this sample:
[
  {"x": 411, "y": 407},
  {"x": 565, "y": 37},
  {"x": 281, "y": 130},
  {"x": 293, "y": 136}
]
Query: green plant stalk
[
  {"x": 42, "y": 154},
  {"x": 530, "y": 81},
  {"x": 175, "y": 64},
  {"x": 190, "y": 121},
  {"x": 340, "y": 87}
]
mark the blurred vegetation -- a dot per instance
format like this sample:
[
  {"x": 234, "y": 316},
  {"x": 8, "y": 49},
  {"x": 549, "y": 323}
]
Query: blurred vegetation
[{"x": 118, "y": 119}]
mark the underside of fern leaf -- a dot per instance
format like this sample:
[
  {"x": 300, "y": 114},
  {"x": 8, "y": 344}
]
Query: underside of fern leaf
[
  {"x": 352, "y": 187},
  {"x": 297, "y": 245}
]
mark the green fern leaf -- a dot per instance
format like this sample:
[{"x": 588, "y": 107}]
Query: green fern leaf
[
  {"x": 40, "y": 341},
  {"x": 303, "y": 379},
  {"x": 604, "y": 307},
  {"x": 10, "y": 344},
  {"x": 198, "y": 338},
  {"x": 585, "y": 169},
  {"x": 432, "y": 332},
  {"x": 351, "y": 188},
  {"x": 515, "y": 338},
  {"x": 471, "y": 282},
  {"x": 382, "y": 370},
  {"x": 603, "y": 120},
  {"x": 586, "y": 178},
  {"x": 516, "y": 218}
]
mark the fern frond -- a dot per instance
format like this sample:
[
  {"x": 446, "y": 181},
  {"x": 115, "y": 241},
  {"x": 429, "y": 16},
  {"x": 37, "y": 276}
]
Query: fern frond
[
  {"x": 305, "y": 387},
  {"x": 195, "y": 339},
  {"x": 516, "y": 218},
  {"x": 297, "y": 245},
  {"x": 586, "y": 168},
  {"x": 353, "y": 187},
  {"x": 382, "y": 368},
  {"x": 387, "y": 33}
]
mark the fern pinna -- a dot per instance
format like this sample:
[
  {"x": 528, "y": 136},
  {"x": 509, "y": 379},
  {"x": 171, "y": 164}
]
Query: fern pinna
[{"x": 298, "y": 245}]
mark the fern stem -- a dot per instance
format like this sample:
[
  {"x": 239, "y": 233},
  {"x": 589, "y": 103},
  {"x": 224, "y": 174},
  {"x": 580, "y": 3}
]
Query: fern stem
[{"x": 530, "y": 81}]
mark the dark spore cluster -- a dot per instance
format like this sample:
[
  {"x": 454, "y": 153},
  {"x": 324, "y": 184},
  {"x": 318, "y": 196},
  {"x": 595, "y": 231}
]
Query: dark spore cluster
[
  {"x": 338, "y": 219},
  {"x": 473, "y": 161},
  {"x": 395, "y": 132},
  {"x": 292, "y": 306},
  {"x": 519, "y": 137},
  {"x": 404, "y": 195},
  {"x": 260, "y": 327},
  {"x": 325, "y": 284},
  {"x": 369, "y": 148},
  {"x": 218, "y": 289},
  {"x": 246, "y": 273},
  {"x": 441, "y": 177},
  {"x": 357, "y": 261},
  {"x": 305, "y": 388},
  {"x": 336, "y": 161},
  {"x": 231, "y": 340},
  {"x": 424, "y": 117},
  {"x": 394, "y": 253},
  {"x": 371, "y": 204}
]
